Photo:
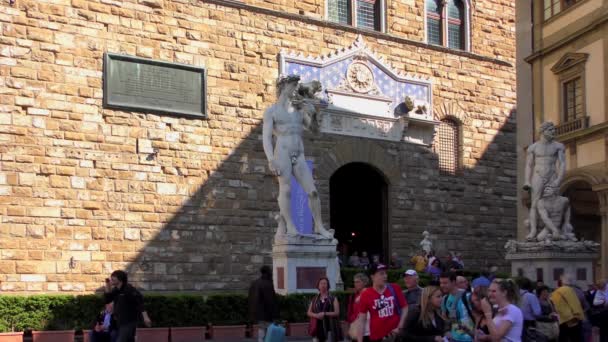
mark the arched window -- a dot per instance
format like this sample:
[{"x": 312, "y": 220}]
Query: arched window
[
  {"x": 456, "y": 24},
  {"x": 446, "y": 23},
  {"x": 433, "y": 22},
  {"x": 368, "y": 14},
  {"x": 447, "y": 146}
]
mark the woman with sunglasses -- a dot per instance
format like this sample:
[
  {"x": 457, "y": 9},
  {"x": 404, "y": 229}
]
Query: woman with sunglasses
[
  {"x": 508, "y": 323},
  {"x": 425, "y": 323}
]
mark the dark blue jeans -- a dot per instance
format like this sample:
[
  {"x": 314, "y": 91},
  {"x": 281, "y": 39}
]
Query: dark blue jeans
[
  {"x": 126, "y": 332},
  {"x": 103, "y": 336}
]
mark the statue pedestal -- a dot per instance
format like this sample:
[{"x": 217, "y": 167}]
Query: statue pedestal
[
  {"x": 549, "y": 260},
  {"x": 299, "y": 261}
]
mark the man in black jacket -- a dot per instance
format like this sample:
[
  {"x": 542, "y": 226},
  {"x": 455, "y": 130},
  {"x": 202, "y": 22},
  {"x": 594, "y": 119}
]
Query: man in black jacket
[
  {"x": 263, "y": 305},
  {"x": 128, "y": 305}
]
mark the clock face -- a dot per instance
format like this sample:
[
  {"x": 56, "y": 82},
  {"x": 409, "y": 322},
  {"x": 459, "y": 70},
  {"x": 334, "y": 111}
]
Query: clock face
[{"x": 360, "y": 77}]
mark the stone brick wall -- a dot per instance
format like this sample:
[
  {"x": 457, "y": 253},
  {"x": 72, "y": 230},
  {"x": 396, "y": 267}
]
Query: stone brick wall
[{"x": 82, "y": 193}]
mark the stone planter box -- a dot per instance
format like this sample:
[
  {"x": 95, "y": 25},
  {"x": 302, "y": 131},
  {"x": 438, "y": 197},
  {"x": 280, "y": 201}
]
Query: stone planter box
[
  {"x": 228, "y": 333},
  {"x": 298, "y": 329},
  {"x": 11, "y": 337},
  {"x": 152, "y": 335},
  {"x": 254, "y": 331},
  {"x": 187, "y": 334},
  {"x": 53, "y": 336},
  {"x": 85, "y": 336}
]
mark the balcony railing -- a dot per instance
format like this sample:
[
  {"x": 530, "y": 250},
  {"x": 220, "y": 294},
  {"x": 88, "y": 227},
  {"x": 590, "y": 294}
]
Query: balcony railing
[{"x": 571, "y": 126}]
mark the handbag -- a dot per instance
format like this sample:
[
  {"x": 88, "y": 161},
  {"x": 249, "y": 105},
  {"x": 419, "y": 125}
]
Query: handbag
[
  {"x": 549, "y": 329},
  {"x": 312, "y": 324},
  {"x": 312, "y": 327},
  {"x": 353, "y": 328}
]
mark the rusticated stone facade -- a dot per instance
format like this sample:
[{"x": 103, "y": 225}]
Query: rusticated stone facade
[{"x": 81, "y": 195}]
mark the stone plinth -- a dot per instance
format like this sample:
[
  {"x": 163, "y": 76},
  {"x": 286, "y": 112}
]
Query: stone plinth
[
  {"x": 299, "y": 261},
  {"x": 548, "y": 262}
]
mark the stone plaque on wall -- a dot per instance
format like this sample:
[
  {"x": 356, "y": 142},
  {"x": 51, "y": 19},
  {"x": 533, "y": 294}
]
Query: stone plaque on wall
[
  {"x": 307, "y": 277},
  {"x": 280, "y": 278},
  {"x": 145, "y": 85}
]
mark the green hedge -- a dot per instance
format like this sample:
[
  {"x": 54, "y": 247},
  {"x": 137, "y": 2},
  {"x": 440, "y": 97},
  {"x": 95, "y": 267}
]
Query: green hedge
[
  {"x": 59, "y": 312},
  {"x": 47, "y": 312}
]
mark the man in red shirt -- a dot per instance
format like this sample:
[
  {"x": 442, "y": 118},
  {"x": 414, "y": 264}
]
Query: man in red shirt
[{"x": 386, "y": 305}]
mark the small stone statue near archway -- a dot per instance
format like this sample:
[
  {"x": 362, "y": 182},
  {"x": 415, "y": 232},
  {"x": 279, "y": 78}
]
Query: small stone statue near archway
[
  {"x": 296, "y": 108},
  {"x": 426, "y": 244}
]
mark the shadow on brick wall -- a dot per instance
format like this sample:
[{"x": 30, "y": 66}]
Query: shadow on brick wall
[{"x": 219, "y": 237}]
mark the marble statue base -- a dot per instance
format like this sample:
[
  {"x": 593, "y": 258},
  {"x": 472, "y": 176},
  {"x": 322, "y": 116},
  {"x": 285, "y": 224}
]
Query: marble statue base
[
  {"x": 549, "y": 260},
  {"x": 299, "y": 261}
]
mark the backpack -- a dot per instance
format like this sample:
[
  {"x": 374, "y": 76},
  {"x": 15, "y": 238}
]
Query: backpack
[
  {"x": 453, "y": 312},
  {"x": 390, "y": 288}
]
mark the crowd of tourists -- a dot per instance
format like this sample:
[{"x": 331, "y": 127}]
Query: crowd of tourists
[
  {"x": 422, "y": 262},
  {"x": 451, "y": 309}
]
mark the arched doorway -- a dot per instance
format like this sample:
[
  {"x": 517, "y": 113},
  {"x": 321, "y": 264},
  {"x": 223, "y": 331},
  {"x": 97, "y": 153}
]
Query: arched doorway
[
  {"x": 585, "y": 217},
  {"x": 358, "y": 209},
  {"x": 585, "y": 213}
]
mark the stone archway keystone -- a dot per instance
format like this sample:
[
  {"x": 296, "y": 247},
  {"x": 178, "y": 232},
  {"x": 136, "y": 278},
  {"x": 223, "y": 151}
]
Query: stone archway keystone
[
  {"x": 451, "y": 110},
  {"x": 362, "y": 151}
]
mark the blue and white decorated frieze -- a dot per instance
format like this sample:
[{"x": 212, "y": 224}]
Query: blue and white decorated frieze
[{"x": 366, "y": 97}]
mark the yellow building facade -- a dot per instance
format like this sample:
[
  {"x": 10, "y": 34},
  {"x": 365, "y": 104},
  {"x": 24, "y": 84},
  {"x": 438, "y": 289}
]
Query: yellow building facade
[{"x": 566, "y": 48}]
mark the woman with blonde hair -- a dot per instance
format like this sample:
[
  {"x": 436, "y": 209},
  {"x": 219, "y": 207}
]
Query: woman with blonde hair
[{"x": 426, "y": 323}]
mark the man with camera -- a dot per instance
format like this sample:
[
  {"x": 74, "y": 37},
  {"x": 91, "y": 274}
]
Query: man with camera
[{"x": 128, "y": 305}]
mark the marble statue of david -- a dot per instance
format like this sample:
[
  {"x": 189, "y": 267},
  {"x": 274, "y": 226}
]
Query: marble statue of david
[{"x": 295, "y": 109}]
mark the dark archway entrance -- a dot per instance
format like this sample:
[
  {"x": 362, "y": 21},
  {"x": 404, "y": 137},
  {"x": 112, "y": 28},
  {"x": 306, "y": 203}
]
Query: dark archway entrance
[
  {"x": 585, "y": 214},
  {"x": 359, "y": 210},
  {"x": 585, "y": 217}
]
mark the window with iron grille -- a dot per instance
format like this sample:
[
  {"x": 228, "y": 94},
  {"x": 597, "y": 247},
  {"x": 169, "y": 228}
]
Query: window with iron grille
[
  {"x": 445, "y": 23},
  {"x": 448, "y": 146},
  {"x": 359, "y": 13},
  {"x": 553, "y": 7},
  {"x": 573, "y": 99}
]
